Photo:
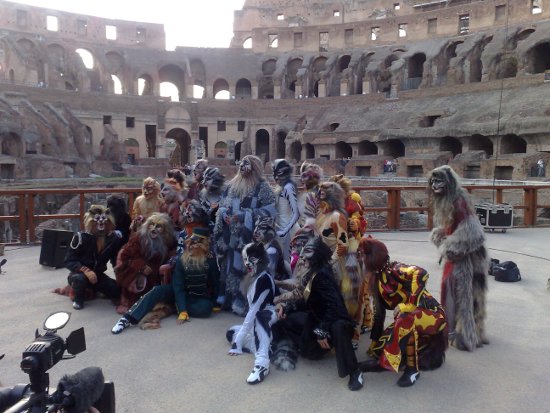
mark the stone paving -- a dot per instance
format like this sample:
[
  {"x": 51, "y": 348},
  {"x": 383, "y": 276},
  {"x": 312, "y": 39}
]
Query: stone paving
[{"x": 186, "y": 369}]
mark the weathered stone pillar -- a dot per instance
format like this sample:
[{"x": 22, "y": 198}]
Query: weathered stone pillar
[
  {"x": 344, "y": 87},
  {"x": 322, "y": 88},
  {"x": 366, "y": 87}
]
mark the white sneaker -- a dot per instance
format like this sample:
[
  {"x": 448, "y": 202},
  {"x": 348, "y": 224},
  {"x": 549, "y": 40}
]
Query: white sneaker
[
  {"x": 257, "y": 375},
  {"x": 120, "y": 325}
]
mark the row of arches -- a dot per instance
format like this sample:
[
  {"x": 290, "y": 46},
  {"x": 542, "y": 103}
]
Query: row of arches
[{"x": 457, "y": 60}]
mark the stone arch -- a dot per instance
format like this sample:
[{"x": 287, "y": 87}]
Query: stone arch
[
  {"x": 538, "y": 58},
  {"x": 281, "y": 146},
  {"x": 131, "y": 150},
  {"x": 174, "y": 74},
  {"x": 26, "y": 46},
  {"x": 367, "y": 148},
  {"x": 248, "y": 43},
  {"x": 296, "y": 151},
  {"x": 394, "y": 148},
  {"x": 310, "y": 151},
  {"x": 221, "y": 89},
  {"x": 318, "y": 66},
  {"x": 265, "y": 86},
  {"x": 115, "y": 62},
  {"x": 198, "y": 78},
  {"x": 243, "y": 89},
  {"x": 476, "y": 64},
  {"x": 87, "y": 57},
  {"x": 451, "y": 144},
  {"x": 343, "y": 150},
  {"x": 512, "y": 143},
  {"x": 11, "y": 144},
  {"x": 384, "y": 75},
  {"x": 146, "y": 85},
  {"x": 291, "y": 77},
  {"x": 481, "y": 143},
  {"x": 415, "y": 69},
  {"x": 360, "y": 73},
  {"x": 183, "y": 147},
  {"x": 262, "y": 144},
  {"x": 341, "y": 65},
  {"x": 443, "y": 61},
  {"x": 220, "y": 150},
  {"x": 56, "y": 54}
]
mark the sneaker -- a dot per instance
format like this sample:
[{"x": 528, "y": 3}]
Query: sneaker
[
  {"x": 120, "y": 325},
  {"x": 257, "y": 375},
  {"x": 355, "y": 380},
  {"x": 77, "y": 305},
  {"x": 409, "y": 377}
]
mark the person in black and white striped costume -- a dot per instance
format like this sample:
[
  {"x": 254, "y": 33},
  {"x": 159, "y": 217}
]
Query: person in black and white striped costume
[{"x": 254, "y": 335}]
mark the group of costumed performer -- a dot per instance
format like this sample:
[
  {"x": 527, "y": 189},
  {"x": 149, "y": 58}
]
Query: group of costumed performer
[
  {"x": 245, "y": 197},
  {"x": 88, "y": 254},
  {"x": 417, "y": 339},
  {"x": 459, "y": 237},
  {"x": 193, "y": 286}
]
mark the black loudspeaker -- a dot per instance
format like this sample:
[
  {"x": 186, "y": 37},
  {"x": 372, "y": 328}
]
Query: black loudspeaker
[{"x": 55, "y": 244}]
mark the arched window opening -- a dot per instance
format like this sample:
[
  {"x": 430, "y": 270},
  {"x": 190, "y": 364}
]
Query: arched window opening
[
  {"x": 512, "y": 144},
  {"x": 367, "y": 148},
  {"x": 343, "y": 150},
  {"x": 448, "y": 143},
  {"x": 247, "y": 44},
  {"x": 87, "y": 58},
  {"x": 243, "y": 89},
  {"x": 221, "y": 89},
  {"x": 117, "y": 85},
  {"x": 481, "y": 143},
  {"x": 262, "y": 145},
  {"x": 168, "y": 89},
  {"x": 310, "y": 151}
]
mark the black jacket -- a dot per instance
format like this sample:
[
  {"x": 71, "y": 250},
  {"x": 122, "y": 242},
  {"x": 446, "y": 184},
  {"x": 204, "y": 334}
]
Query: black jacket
[{"x": 83, "y": 252}]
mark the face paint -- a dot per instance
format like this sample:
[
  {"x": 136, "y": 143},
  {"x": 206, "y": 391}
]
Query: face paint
[
  {"x": 100, "y": 220},
  {"x": 149, "y": 191},
  {"x": 438, "y": 185},
  {"x": 155, "y": 229},
  {"x": 245, "y": 167},
  {"x": 250, "y": 262}
]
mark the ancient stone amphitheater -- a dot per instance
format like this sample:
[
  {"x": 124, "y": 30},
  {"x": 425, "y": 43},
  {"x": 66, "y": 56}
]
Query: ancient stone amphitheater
[{"x": 418, "y": 82}]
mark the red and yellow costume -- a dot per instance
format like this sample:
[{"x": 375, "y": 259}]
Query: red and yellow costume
[{"x": 421, "y": 325}]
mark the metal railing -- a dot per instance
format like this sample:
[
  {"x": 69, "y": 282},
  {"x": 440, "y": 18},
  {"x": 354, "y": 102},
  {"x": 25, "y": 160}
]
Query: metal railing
[{"x": 526, "y": 201}]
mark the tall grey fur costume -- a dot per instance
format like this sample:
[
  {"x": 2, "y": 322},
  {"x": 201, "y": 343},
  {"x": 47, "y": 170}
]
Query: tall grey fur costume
[{"x": 460, "y": 240}]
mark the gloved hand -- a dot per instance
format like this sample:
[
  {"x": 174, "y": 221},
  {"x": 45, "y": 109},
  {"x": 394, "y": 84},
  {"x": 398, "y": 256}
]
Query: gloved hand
[
  {"x": 90, "y": 275},
  {"x": 183, "y": 317}
]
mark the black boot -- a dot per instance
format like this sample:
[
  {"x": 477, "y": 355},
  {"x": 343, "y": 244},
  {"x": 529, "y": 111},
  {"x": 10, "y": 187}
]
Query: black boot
[
  {"x": 355, "y": 380},
  {"x": 371, "y": 365},
  {"x": 409, "y": 377}
]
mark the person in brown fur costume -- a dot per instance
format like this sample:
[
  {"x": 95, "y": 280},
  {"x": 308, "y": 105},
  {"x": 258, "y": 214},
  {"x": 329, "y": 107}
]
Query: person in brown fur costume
[
  {"x": 138, "y": 262},
  {"x": 459, "y": 237},
  {"x": 88, "y": 255},
  {"x": 148, "y": 202},
  {"x": 358, "y": 301},
  {"x": 308, "y": 204}
]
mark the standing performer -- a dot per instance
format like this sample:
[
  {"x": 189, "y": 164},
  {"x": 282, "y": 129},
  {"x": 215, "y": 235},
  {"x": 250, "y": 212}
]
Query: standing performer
[
  {"x": 459, "y": 237},
  {"x": 247, "y": 195},
  {"x": 308, "y": 204},
  {"x": 286, "y": 203},
  {"x": 419, "y": 329}
]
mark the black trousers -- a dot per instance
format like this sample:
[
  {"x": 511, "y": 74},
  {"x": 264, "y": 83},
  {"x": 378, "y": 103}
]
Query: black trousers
[
  {"x": 298, "y": 327},
  {"x": 105, "y": 285}
]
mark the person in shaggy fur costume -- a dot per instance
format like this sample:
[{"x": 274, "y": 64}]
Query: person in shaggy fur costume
[
  {"x": 460, "y": 239},
  {"x": 138, "y": 262},
  {"x": 417, "y": 338}
]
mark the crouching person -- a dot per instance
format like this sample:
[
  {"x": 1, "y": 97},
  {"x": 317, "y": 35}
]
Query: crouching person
[
  {"x": 88, "y": 255},
  {"x": 254, "y": 335},
  {"x": 320, "y": 320},
  {"x": 193, "y": 287}
]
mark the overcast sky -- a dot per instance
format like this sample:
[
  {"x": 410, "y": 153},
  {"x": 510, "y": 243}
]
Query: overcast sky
[{"x": 206, "y": 23}]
